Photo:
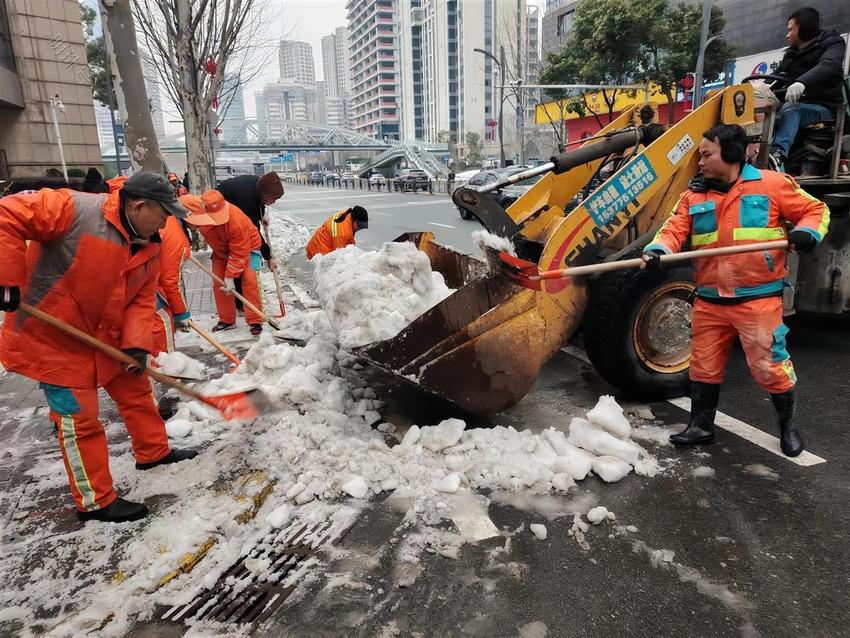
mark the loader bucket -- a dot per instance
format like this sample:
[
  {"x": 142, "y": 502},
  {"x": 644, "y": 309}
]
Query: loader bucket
[{"x": 477, "y": 347}]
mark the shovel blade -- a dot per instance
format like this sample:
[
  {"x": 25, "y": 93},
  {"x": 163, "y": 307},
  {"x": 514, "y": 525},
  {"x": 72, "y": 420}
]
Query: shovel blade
[
  {"x": 239, "y": 406},
  {"x": 519, "y": 271}
]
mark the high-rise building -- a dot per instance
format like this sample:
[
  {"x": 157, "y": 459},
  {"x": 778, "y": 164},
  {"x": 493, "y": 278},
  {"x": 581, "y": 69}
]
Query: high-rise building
[
  {"x": 262, "y": 118},
  {"x": 287, "y": 101},
  {"x": 374, "y": 63},
  {"x": 556, "y": 25},
  {"x": 337, "y": 77},
  {"x": 296, "y": 62},
  {"x": 232, "y": 117}
]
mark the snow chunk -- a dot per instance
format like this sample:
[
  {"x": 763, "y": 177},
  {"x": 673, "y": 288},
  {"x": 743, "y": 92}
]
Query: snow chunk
[
  {"x": 177, "y": 364},
  {"x": 593, "y": 439},
  {"x": 177, "y": 428},
  {"x": 484, "y": 238},
  {"x": 279, "y": 516},
  {"x": 703, "y": 471},
  {"x": 356, "y": 487},
  {"x": 608, "y": 415},
  {"x": 446, "y": 434},
  {"x": 610, "y": 469},
  {"x": 371, "y": 296},
  {"x": 597, "y": 514},
  {"x": 449, "y": 484},
  {"x": 539, "y": 531}
]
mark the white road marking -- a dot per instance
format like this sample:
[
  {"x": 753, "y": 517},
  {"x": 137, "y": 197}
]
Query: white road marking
[
  {"x": 441, "y": 225},
  {"x": 728, "y": 423},
  {"x": 384, "y": 214}
]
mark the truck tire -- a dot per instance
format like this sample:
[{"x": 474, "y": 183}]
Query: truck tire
[
  {"x": 464, "y": 214},
  {"x": 637, "y": 330}
]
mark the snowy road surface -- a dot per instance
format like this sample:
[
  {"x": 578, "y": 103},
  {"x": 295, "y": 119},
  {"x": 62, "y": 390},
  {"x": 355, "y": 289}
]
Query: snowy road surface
[{"x": 383, "y": 529}]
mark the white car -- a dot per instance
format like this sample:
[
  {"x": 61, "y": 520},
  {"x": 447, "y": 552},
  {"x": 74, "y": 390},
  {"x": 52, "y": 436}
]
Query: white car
[{"x": 377, "y": 179}]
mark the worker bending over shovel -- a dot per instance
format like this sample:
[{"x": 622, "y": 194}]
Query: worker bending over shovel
[
  {"x": 235, "y": 244},
  {"x": 337, "y": 231},
  {"x": 731, "y": 203},
  {"x": 92, "y": 263}
]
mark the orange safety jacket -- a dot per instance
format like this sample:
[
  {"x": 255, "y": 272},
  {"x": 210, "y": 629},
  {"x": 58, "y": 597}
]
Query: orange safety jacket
[
  {"x": 174, "y": 250},
  {"x": 332, "y": 234},
  {"x": 234, "y": 241},
  {"x": 754, "y": 210},
  {"x": 78, "y": 268}
]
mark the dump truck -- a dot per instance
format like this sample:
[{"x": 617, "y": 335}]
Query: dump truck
[{"x": 483, "y": 346}]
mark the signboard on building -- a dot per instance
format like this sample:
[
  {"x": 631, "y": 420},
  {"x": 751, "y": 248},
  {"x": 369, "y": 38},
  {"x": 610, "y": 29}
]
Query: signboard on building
[
  {"x": 624, "y": 98},
  {"x": 757, "y": 64}
]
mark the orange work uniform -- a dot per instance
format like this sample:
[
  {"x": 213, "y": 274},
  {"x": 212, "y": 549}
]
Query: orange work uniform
[
  {"x": 80, "y": 268},
  {"x": 741, "y": 295},
  {"x": 336, "y": 232},
  {"x": 235, "y": 254},
  {"x": 170, "y": 300}
]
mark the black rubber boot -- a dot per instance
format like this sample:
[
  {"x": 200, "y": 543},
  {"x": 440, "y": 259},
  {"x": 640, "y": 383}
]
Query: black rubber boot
[
  {"x": 175, "y": 456},
  {"x": 118, "y": 511},
  {"x": 700, "y": 430},
  {"x": 221, "y": 325},
  {"x": 256, "y": 329},
  {"x": 789, "y": 438}
]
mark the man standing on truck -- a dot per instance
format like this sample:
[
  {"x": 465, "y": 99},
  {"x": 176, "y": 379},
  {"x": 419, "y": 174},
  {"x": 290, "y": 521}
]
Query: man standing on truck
[
  {"x": 730, "y": 203},
  {"x": 813, "y": 64}
]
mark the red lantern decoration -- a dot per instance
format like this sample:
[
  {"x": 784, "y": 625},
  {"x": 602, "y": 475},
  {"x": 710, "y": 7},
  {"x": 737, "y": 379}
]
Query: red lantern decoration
[
  {"x": 210, "y": 65},
  {"x": 215, "y": 102},
  {"x": 217, "y": 131}
]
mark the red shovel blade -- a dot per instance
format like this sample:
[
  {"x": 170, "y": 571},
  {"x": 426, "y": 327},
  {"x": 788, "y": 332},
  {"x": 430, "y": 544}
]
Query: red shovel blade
[
  {"x": 239, "y": 405},
  {"x": 519, "y": 271}
]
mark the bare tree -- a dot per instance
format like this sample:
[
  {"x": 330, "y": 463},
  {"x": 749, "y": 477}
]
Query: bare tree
[
  {"x": 122, "y": 48},
  {"x": 194, "y": 43}
]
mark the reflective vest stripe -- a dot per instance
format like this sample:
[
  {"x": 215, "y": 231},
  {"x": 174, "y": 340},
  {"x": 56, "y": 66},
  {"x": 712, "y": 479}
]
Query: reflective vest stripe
[
  {"x": 757, "y": 234},
  {"x": 824, "y": 220},
  {"x": 68, "y": 439},
  {"x": 169, "y": 329},
  {"x": 703, "y": 239}
]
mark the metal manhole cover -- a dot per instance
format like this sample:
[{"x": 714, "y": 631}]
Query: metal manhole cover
[{"x": 253, "y": 588}]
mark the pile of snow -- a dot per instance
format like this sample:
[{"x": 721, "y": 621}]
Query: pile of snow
[
  {"x": 177, "y": 364},
  {"x": 371, "y": 296},
  {"x": 289, "y": 235}
]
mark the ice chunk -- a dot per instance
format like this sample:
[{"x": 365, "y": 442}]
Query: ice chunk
[
  {"x": 610, "y": 469},
  {"x": 597, "y": 514},
  {"x": 586, "y": 435},
  {"x": 608, "y": 415},
  {"x": 562, "y": 481},
  {"x": 279, "y": 516},
  {"x": 576, "y": 462},
  {"x": 177, "y": 364},
  {"x": 449, "y": 484},
  {"x": 411, "y": 437},
  {"x": 355, "y": 487},
  {"x": 446, "y": 434},
  {"x": 257, "y": 566},
  {"x": 703, "y": 471},
  {"x": 538, "y": 530},
  {"x": 178, "y": 428}
]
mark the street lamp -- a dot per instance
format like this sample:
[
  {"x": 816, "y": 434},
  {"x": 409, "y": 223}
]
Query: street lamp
[
  {"x": 56, "y": 104},
  {"x": 501, "y": 65},
  {"x": 704, "y": 41}
]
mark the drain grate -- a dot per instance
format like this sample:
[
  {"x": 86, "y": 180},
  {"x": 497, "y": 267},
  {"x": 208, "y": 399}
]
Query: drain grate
[{"x": 250, "y": 593}]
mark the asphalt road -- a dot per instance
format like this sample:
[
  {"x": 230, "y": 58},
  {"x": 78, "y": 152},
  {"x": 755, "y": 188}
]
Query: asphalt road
[{"x": 756, "y": 548}]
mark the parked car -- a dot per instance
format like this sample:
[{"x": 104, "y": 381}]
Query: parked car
[
  {"x": 348, "y": 176},
  {"x": 315, "y": 177},
  {"x": 412, "y": 179},
  {"x": 376, "y": 179},
  {"x": 503, "y": 196}
]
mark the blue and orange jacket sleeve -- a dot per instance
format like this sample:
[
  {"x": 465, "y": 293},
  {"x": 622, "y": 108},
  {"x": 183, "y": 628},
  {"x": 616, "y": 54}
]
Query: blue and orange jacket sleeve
[
  {"x": 801, "y": 209},
  {"x": 137, "y": 331},
  {"x": 675, "y": 231},
  {"x": 44, "y": 216}
]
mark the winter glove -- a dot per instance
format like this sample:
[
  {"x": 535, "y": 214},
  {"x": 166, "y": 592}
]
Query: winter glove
[
  {"x": 10, "y": 298},
  {"x": 141, "y": 358},
  {"x": 181, "y": 321},
  {"x": 794, "y": 92},
  {"x": 652, "y": 259},
  {"x": 802, "y": 241},
  {"x": 272, "y": 264},
  {"x": 229, "y": 286}
]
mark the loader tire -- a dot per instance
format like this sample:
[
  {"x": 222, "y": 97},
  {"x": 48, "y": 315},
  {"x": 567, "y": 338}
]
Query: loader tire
[{"x": 637, "y": 330}]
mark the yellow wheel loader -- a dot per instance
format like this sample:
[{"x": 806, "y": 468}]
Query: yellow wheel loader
[{"x": 483, "y": 347}]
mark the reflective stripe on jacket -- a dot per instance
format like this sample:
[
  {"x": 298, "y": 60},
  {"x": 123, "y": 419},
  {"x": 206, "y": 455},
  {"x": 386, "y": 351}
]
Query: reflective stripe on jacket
[
  {"x": 78, "y": 268},
  {"x": 331, "y": 235},
  {"x": 174, "y": 250},
  {"x": 754, "y": 210},
  {"x": 233, "y": 241}
]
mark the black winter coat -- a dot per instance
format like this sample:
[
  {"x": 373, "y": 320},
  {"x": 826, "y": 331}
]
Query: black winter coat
[
  {"x": 818, "y": 65},
  {"x": 241, "y": 191}
]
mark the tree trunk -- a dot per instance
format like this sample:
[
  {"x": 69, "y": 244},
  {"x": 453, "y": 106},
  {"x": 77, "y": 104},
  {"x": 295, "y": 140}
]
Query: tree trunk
[
  {"x": 139, "y": 133},
  {"x": 195, "y": 124},
  {"x": 671, "y": 102}
]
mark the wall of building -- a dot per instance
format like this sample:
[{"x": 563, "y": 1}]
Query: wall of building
[{"x": 49, "y": 59}]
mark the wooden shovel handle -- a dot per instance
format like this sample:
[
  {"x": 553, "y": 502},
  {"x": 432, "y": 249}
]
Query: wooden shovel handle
[
  {"x": 607, "y": 266},
  {"x": 216, "y": 344},
  {"x": 115, "y": 353},
  {"x": 247, "y": 303}
]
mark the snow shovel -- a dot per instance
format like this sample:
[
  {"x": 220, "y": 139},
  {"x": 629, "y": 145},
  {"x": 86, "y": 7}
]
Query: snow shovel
[
  {"x": 215, "y": 344},
  {"x": 275, "y": 273},
  {"x": 246, "y": 404},
  {"x": 247, "y": 303},
  {"x": 527, "y": 274}
]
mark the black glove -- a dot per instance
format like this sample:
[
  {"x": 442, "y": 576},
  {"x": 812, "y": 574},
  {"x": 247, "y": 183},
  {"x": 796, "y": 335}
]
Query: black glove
[
  {"x": 802, "y": 241},
  {"x": 653, "y": 259},
  {"x": 141, "y": 358},
  {"x": 10, "y": 298}
]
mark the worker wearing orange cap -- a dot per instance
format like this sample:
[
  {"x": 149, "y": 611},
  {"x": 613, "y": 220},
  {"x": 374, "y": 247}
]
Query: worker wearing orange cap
[
  {"x": 178, "y": 186},
  {"x": 235, "y": 244}
]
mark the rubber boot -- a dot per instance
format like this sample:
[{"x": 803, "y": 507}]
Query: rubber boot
[
  {"x": 118, "y": 511},
  {"x": 789, "y": 438},
  {"x": 174, "y": 456},
  {"x": 700, "y": 430}
]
